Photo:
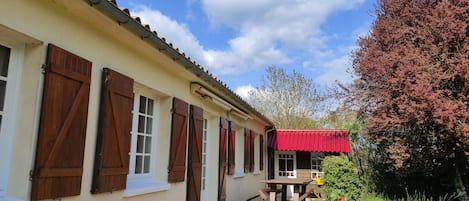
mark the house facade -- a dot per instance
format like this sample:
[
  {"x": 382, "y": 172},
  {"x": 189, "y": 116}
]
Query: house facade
[{"x": 96, "y": 106}]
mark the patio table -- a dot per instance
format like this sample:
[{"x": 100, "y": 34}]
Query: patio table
[{"x": 299, "y": 186}]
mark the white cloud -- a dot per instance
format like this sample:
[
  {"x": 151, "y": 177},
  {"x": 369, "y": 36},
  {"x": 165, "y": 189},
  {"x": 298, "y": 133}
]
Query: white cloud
[
  {"x": 177, "y": 34},
  {"x": 243, "y": 91},
  {"x": 267, "y": 32},
  {"x": 337, "y": 65},
  {"x": 336, "y": 70}
]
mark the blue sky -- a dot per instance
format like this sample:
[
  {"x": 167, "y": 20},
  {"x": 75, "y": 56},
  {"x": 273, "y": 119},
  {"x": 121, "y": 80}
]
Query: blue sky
[{"x": 237, "y": 39}]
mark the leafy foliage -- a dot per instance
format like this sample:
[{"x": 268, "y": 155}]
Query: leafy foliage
[
  {"x": 289, "y": 99},
  {"x": 413, "y": 71},
  {"x": 341, "y": 178}
]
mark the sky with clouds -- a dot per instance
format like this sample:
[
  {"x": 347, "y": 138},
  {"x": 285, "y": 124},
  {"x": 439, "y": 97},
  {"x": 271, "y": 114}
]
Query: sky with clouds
[{"x": 237, "y": 39}]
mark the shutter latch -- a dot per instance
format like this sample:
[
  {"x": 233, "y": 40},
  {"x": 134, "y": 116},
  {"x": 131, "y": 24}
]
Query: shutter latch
[{"x": 31, "y": 175}]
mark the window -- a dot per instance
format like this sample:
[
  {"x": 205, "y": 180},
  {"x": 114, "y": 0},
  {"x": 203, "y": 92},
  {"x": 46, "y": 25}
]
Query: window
[
  {"x": 231, "y": 148},
  {"x": 286, "y": 163},
  {"x": 204, "y": 155},
  {"x": 256, "y": 151},
  {"x": 316, "y": 161},
  {"x": 204, "y": 193},
  {"x": 239, "y": 172},
  {"x": 11, "y": 57},
  {"x": 4, "y": 63},
  {"x": 143, "y": 134}
]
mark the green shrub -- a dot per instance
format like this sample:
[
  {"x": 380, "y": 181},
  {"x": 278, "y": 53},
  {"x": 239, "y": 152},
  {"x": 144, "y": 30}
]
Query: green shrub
[
  {"x": 341, "y": 178},
  {"x": 372, "y": 197}
]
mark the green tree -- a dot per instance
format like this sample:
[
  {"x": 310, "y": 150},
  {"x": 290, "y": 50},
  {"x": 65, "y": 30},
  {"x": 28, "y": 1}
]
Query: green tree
[
  {"x": 345, "y": 117},
  {"x": 413, "y": 71},
  {"x": 289, "y": 99}
]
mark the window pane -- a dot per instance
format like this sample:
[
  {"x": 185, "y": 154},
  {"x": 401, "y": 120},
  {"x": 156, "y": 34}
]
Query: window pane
[
  {"x": 281, "y": 164},
  {"x": 141, "y": 124},
  {"x": 314, "y": 162},
  {"x": 150, "y": 107},
  {"x": 149, "y": 125},
  {"x": 138, "y": 164},
  {"x": 143, "y": 104},
  {"x": 140, "y": 144},
  {"x": 3, "y": 85},
  {"x": 290, "y": 165},
  {"x": 4, "y": 60},
  {"x": 146, "y": 168},
  {"x": 148, "y": 145}
]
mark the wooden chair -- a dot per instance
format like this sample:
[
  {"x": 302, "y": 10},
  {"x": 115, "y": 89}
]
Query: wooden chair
[
  {"x": 263, "y": 194},
  {"x": 313, "y": 189}
]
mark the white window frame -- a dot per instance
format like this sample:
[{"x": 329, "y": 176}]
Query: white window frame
[
  {"x": 138, "y": 184},
  {"x": 8, "y": 126},
  {"x": 257, "y": 153},
  {"x": 316, "y": 170},
  {"x": 205, "y": 141},
  {"x": 277, "y": 165},
  {"x": 239, "y": 153}
]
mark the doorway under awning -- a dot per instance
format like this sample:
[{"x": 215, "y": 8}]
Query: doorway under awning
[{"x": 311, "y": 140}]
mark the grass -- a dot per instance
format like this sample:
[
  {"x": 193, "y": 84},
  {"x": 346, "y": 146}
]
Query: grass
[{"x": 410, "y": 197}]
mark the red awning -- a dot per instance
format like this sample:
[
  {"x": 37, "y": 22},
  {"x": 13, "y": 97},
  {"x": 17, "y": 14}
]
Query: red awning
[{"x": 317, "y": 140}]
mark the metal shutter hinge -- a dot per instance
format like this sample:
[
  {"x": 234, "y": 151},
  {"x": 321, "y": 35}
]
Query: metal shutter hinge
[
  {"x": 106, "y": 80},
  {"x": 45, "y": 68}
]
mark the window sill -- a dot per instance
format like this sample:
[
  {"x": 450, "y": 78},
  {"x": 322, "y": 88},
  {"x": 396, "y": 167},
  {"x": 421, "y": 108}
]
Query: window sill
[
  {"x": 135, "y": 188},
  {"x": 237, "y": 175}
]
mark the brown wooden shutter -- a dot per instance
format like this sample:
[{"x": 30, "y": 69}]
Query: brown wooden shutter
[
  {"x": 247, "y": 155},
  {"x": 194, "y": 172},
  {"x": 231, "y": 148},
  {"x": 222, "y": 160},
  {"x": 58, "y": 165},
  {"x": 251, "y": 152},
  {"x": 177, "y": 157},
  {"x": 261, "y": 152},
  {"x": 111, "y": 164}
]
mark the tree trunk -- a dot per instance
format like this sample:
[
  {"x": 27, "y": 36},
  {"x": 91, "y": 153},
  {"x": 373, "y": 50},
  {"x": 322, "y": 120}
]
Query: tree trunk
[{"x": 458, "y": 182}]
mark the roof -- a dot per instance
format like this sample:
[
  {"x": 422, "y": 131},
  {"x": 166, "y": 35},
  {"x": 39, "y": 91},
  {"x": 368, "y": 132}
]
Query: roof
[
  {"x": 317, "y": 140},
  {"x": 123, "y": 17}
]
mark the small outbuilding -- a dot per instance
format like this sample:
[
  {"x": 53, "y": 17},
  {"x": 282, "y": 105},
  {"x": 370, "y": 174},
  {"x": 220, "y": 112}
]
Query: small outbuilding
[{"x": 298, "y": 153}]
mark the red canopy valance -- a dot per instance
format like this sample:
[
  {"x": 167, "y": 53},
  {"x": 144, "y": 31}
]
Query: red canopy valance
[{"x": 317, "y": 140}]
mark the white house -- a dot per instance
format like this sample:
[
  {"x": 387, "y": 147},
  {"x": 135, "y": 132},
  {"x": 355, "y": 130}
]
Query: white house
[{"x": 95, "y": 105}]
